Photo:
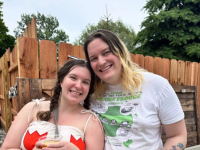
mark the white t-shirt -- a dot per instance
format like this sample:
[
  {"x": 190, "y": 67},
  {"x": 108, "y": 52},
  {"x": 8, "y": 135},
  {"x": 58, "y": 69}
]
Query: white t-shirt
[{"x": 134, "y": 122}]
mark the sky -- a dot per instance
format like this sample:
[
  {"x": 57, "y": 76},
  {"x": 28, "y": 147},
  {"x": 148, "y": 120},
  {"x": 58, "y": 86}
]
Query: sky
[{"x": 75, "y": 15}]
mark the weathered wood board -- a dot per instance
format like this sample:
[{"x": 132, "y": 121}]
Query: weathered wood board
[{"x": 189, "y": 103}]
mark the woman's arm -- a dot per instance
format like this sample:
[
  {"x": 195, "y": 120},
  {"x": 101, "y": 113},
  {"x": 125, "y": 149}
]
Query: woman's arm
[
  {"x": 17, "y": 129},
  {"x": 177, "y": 136},
  {"x": 94, "y": 135}
]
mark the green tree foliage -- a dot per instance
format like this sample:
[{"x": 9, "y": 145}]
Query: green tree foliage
[
  {"x": 6, "y": 40},
  {"x": 172, "y": 30},
  {"x": 47, "y": 27},
  {"x": 125, "y": 33}
]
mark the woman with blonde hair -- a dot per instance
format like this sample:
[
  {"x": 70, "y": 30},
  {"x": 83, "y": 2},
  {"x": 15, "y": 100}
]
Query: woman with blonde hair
[{"x": 132, "y": 103}]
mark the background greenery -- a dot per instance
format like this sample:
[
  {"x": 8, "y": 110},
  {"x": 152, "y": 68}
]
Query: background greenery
[
  {"x": 172, "y": 30},
  {"x": 6, "y": 40}
]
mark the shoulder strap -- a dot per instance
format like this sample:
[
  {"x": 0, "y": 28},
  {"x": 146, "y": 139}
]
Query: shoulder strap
[
  {"x": 87, "y": 123},
  {"x": 95, "y": 117},
  {"x": 38, "y": 104},
  {"x": 55, "y": 111}
]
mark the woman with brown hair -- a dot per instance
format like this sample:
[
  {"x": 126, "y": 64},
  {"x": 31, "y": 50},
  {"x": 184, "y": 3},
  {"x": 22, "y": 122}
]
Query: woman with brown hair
[{"x": 76, "y": 124}]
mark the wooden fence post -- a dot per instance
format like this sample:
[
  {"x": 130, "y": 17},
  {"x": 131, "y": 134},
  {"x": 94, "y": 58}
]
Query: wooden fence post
[{"x": 8, "y": 115}]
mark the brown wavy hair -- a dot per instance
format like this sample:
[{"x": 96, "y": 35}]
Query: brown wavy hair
[
  {"x": 131, "y": 76},
  {"x": 68, "y": 66}
]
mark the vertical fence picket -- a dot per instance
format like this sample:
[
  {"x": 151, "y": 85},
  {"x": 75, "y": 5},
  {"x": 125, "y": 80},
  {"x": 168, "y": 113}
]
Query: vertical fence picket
[
  {"x": 181, "y": 72},
  {"x": 13, "y": 76},
  {"x": 11, "y": 80},
  {"x": 132, "y": 57},
  {"x": 173, "y": 72},
  {"x": 27, "y": 49},
  {"x": 194, "y": 74},
  {"x": 13, "y": 56},
  {"x": 48, "y": 60},
  {"x": 165, "y": 65},
  {"x": 7, "y": 106},
  {"x": 78, "y": 51},
  {"x": 25, "y": 33},
  {"x": 29, "y": 30},
  {"x": 7, "y": 53},
  {"x": 157, "y": 67},
  {"x": 13, "y": 70},
  {"x": 1, "y": 94},
  {"x": 139, "y": 59},
  {"x": 64, "y": 49},
  {"x": 33, "y": 28},
  {"x": 148, "y": 63},
  {"x": 188, "y": 72}
]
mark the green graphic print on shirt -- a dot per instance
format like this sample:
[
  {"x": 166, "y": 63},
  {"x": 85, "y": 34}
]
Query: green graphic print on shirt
[
  {"x": 117, "y": 113},
  {"x": 111, "y": 125}
]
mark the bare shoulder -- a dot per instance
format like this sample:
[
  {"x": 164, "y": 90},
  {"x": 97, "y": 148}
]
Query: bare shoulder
[
  {"x": 27, "y": 107},
  {"x": 44, "y": 106},
  {"x": 91, "y": 139},
  {"x": 33, "y": 105},
  {"x": 31, "y": 109},
  {"x": 94, "y": 122}
]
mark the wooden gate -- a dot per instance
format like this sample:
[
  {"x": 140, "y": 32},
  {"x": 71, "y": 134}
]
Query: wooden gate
[{"x": 29, "y": 89}]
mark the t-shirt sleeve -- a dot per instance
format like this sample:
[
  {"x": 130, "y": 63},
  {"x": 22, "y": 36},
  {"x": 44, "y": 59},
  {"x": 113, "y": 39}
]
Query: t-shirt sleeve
[{"x": 170, "y": 110}]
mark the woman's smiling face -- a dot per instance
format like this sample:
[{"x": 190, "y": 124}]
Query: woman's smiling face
[
  {"x": 76, "y": 84},
  {"x": 104, "y": 63}
]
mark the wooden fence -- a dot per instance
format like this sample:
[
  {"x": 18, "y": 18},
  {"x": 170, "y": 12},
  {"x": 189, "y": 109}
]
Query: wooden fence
[{"x": 25, "y": 61}]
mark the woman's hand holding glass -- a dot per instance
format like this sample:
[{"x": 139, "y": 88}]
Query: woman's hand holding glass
[{"x": 62, "y": 145}]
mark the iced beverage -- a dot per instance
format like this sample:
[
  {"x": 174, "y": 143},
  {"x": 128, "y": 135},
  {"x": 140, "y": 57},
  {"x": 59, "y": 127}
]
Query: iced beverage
[{"x": 50, "y": 139}]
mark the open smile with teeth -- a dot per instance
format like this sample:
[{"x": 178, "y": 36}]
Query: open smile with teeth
[
  {"x": 106, "y": 68},
  {"x": 75, "y": 92}
]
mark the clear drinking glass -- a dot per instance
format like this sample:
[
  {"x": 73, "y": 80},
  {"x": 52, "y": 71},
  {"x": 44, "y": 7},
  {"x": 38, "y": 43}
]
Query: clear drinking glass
[{"x": 50, "y": 139}]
